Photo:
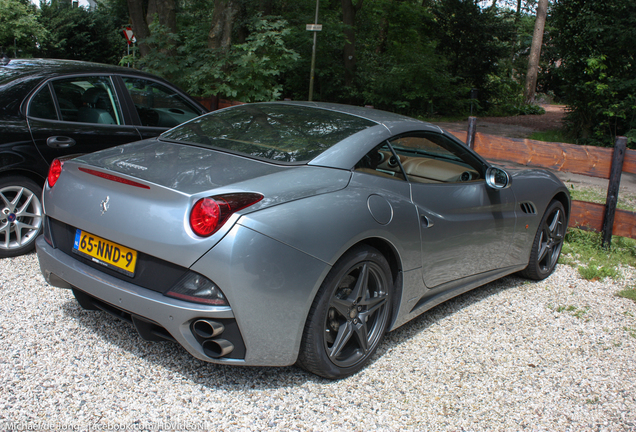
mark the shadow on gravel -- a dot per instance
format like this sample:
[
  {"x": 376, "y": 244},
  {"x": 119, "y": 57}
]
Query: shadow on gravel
[
  {"x": 433, "y": 316},
  {"x": 173, "y": 357}
]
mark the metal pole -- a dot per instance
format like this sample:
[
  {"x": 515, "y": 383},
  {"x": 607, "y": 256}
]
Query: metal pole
[
  {"x": 612, "y": 189},
  {"x": 470, "y": 135},
  {"x": 313, "y": 58}
]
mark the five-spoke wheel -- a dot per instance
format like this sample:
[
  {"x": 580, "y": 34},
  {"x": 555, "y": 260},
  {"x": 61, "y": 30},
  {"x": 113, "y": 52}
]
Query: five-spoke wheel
[
  {"x": 547, "y": 244},
  {"x": 349, "y": 315},
  {"x": 20, "y": 215}
]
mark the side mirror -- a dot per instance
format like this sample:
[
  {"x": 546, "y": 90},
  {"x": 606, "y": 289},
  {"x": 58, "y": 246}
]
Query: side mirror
[{"x": 497, "y": 178}]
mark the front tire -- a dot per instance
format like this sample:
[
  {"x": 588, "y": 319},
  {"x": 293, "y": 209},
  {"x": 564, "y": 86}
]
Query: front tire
[
  {"x": 349, "y": 315},
  {"x": 547, "y": 244},
  {"x": 21, "y": 215}
]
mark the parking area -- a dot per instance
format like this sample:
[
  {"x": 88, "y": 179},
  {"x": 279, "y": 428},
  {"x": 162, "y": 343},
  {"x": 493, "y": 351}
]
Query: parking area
[{"x": 512, "y": 355}]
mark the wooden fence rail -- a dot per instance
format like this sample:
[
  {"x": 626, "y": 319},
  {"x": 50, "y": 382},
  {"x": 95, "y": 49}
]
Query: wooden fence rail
[{"x": 576, "y": 159}]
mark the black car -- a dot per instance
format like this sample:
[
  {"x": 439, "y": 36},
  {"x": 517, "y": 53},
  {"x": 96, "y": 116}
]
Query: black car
[{"x": 61, "y": 108}]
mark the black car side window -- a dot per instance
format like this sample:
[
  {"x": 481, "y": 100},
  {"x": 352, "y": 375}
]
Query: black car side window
[
  {"x": 158, "y": 105},
  {"x": 434, "y": 158},
  {"x": 42, "y": 105},
  {"x": 87, "y": 100}
]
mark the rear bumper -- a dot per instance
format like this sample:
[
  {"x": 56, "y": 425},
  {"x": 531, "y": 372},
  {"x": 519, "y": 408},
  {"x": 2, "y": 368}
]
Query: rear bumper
[
  {"x": 173, "y": 315},
  {"x": 269, "y": 285}
]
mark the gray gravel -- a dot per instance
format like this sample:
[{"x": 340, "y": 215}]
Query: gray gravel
[{"x": 557, "y": 355}]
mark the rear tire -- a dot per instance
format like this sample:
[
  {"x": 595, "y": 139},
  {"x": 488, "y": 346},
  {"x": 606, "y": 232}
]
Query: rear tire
[
  {"x": 546, "y": 247},
  {"x": 21, "y": 215},
  {"x": 349, "y": 315}
]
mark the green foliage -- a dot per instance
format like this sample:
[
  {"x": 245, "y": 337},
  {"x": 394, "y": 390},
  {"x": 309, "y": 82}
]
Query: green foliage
[
  {"x": 628, "y": 293},
  {"x": 415, "y": 57},
  {"x": 599, "y": 85},
  {"x": 246, "y": 72},
  {"x": 589, "y": 194},
  {"x": 19, "y": 28},
  {"x": 575, "y": 311},
  {"x": 329, "y": 70},
  {"x": 77, "y": 33},
  {"x": 583, "y": 250},
  {"x": 551, "y": 136},
  {"x": 251, "y": 69},
  {"x": 402, "y": 71},
  {"x": 474, "y": 42}
]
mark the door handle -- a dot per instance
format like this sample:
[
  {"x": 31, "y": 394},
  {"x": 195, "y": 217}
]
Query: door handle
[
  {"x": 427, "y": 222},
  {"x": 60, "y": 142}
]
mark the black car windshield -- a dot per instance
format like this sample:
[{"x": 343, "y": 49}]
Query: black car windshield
[{"x": 277, "y": 132}]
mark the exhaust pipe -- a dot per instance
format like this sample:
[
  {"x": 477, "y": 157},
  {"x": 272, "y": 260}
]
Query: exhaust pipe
[
  {"x": 206, "y": 329},
  {"x": 216, "y": 348}
]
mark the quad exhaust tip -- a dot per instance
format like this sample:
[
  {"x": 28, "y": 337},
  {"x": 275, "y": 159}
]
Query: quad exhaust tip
[
  {"x": 217, "y": 348},
  {"x": 207, "y": 331}
]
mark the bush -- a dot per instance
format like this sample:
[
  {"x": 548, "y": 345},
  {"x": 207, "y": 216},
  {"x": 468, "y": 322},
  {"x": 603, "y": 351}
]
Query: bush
[{"x": 599, "y": 85}]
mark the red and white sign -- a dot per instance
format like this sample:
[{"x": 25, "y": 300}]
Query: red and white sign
[{"x": 130, "y": 36}]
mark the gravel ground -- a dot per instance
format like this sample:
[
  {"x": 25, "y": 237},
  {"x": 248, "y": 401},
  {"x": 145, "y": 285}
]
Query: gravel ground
[{"x": 512, "y": 355}]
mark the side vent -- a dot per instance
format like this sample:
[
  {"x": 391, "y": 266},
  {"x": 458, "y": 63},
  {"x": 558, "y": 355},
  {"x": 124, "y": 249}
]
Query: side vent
[{"x": 528, "y": 208}]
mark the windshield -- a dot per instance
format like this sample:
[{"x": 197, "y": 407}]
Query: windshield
[{"x": 277, "y": 132}]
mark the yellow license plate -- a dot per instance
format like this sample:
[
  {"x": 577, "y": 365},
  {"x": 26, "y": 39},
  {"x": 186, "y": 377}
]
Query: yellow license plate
[{"x": 105, "y": 252}]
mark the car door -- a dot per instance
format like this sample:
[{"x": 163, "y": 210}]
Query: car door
[
  {"x": 466, "y": 226},
  {"x": 157, "y": 107},
  {"x": 76, "y": 115}
]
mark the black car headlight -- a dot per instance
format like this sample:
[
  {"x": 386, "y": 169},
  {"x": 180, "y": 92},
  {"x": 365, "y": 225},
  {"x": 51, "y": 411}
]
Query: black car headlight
[{"x": 199, "y": 289}]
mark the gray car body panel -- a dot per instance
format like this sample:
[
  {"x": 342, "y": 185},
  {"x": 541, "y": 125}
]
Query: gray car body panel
[
  {"x": 271, "y": 258},
  {"x": 160, "y": 222}
]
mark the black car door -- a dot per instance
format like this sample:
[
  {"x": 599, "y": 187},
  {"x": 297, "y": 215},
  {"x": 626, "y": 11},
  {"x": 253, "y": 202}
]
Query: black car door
[{"x": 77, "y": 115}]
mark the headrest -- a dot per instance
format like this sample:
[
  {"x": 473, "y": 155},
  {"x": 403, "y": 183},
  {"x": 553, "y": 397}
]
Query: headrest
[{"x": 92, "y": 95}]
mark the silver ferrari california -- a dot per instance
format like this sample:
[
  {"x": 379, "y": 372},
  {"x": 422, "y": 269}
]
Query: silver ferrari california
[{"x": 279, "y": 233}]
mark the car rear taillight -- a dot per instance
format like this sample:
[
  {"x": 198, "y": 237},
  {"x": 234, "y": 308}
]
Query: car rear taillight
[
  {"x": 196, "y": 288},
  {"x": 209, "y": 214},
  {"x": 54, "y": 172}
]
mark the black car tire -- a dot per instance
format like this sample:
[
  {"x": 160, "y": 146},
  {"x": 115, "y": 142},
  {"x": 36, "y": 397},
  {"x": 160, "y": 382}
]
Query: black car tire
[
  {"x": 349, "y": 315},
  {"x": 21, "y": 215},
  {"x": 546, "y": 247}
]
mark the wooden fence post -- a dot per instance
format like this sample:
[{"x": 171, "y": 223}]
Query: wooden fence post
[
  {"x": 472, "y": 129},
  {"x": 612, "y": 189}
]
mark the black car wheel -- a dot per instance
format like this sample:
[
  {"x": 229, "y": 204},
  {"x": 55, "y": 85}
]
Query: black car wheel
[
  {"x": 20, "y": 215},
  {"x": 349, "y": 315},
  {"x": 547, "y": 244}
]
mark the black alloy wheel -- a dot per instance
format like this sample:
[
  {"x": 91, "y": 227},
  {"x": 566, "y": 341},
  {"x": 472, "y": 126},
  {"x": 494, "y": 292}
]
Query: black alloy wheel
[
  {"x": 21, "y": 215},
  {"x": 349, "y": 315},
  {"x": 547, "y": 244}
]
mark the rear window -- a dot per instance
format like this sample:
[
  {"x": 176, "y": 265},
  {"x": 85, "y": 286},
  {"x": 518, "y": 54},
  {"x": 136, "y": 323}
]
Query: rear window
[{"x": 277, "y": 132}]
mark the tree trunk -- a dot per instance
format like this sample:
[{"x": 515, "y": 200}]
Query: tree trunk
[
  {"x": 535, "y": 52},
  {"x": 139, "y": 26},
  {"x": 220, "y": 35},
  {"x": 349, "y": 11},
  {"x": 165, "y": 11}
]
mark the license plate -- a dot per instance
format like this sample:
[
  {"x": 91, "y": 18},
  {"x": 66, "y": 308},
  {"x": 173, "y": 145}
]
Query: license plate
[{"x": 105, "y": 252}]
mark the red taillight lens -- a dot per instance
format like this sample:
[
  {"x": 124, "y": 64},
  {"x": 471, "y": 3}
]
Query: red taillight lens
[
  {"x": 204, "y": 217},
  {"x": 209, "y": 214},
  {"x": 54, "y": 172}
]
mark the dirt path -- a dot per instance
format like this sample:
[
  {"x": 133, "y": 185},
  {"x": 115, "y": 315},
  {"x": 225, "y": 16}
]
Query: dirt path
[{"x": 515, "y": 126}]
